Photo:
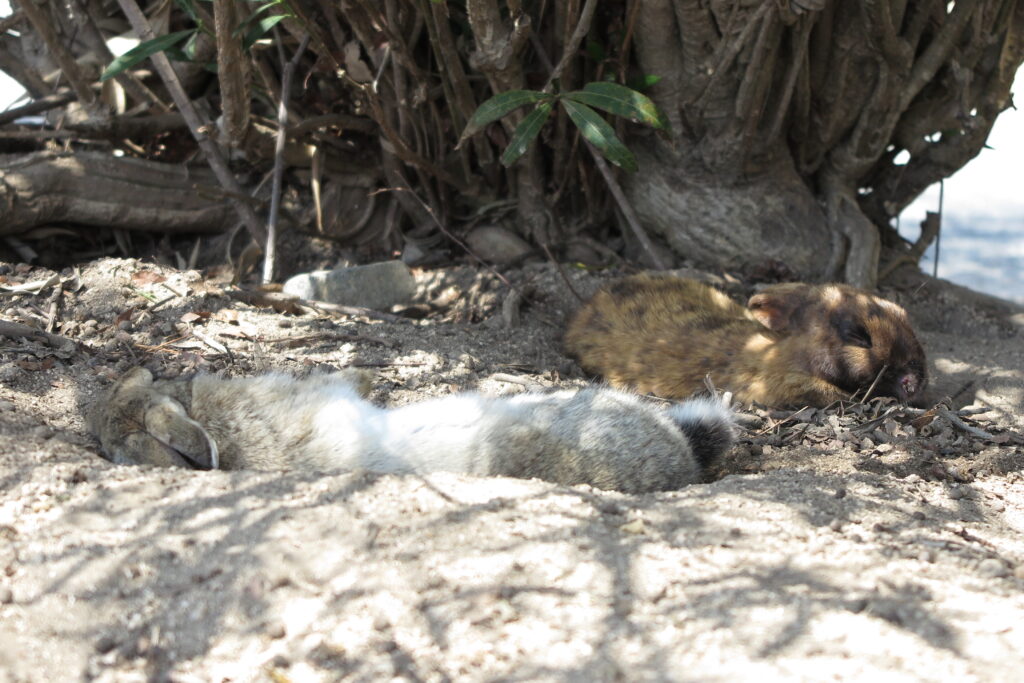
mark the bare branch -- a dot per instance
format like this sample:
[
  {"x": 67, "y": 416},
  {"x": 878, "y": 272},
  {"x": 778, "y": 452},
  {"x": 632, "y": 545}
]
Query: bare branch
[
  {"x": 42, "y": 23},
  {"x": 195, "y": 124},
  {"x": 569, "y": 52},
  {"x": 282, "y": 133}
]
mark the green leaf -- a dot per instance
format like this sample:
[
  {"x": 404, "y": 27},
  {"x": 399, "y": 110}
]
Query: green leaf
[
  {"x": 621, "y": 101},
  {"x": 601, "y": 135},
  {"x": 260, "y": 29},
  {"x": 500, "y": 105},
  {"x": 596, "y": 51},
  {"x": 525, "y": 133},
  {"x": 144, "y": 50}
]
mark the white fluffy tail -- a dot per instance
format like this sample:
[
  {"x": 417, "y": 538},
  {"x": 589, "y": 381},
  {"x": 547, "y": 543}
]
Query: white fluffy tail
[{"x": 709, "y": 426}]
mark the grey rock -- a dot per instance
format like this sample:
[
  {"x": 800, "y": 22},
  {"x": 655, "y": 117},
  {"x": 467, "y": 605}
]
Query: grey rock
[
  {"x": 376, "y": 285},
  {"x": 495, "y": 244}
]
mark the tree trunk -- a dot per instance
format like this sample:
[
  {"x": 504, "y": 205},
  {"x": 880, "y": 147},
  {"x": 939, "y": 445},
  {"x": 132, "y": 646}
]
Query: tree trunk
[
  {"x": 790, "y": 117},
  {"x": 104, "y": 191}
]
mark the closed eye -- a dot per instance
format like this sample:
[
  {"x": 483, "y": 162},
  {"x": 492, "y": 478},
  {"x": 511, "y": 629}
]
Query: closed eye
[{"x": 857, "y": 335}]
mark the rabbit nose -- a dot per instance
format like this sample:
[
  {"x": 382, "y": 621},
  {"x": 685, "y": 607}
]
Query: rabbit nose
[{"x": 909, "y": 384}]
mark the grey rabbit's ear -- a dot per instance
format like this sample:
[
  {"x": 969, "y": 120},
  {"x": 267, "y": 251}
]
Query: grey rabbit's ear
[
  {"x": 167, "y": 422},
  {"x": 138, "y": 424}
]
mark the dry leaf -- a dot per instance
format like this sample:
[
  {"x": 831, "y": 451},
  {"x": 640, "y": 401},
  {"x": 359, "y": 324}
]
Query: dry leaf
[
  {"x": 228, "y": 315},
  {"x": 146, "y": 277},
  {"x": 193, "y": 316}
]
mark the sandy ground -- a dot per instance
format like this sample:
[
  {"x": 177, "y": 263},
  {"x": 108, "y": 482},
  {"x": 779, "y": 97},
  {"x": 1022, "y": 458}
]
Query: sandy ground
[{"x": 850, "y": 545}]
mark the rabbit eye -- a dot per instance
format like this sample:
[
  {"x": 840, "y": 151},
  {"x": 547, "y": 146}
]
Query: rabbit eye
[
  {"x": 854, "y": 334},
  {"x": 859, "y": 336}
]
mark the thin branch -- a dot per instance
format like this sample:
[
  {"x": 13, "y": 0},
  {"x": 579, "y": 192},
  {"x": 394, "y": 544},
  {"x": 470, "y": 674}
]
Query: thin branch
[
  {"x": 937, "y": 51},
  {"x": 233, "y": 74},
  {"x": 195, "y": 124},
  {"x": 43, "y": 24},
  {"x": 582, "y": 27},
  {"x": 94, "y": 38},
  {"x": 16, "y": 330},
  {"x": 627, "y": 210},
  {"x": 960, "y": 424},
  {"x": 53, "y": 101},
  {"x": 282, "y": 135}
]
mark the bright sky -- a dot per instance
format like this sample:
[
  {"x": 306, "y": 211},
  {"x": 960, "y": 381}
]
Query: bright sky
[{"x": 983, "y": 227}]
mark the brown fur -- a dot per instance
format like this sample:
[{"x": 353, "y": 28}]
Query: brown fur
[{"x": 795, "y": 343}]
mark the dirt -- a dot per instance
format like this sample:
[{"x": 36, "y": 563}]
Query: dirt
[{"x": 863, "y": 541}]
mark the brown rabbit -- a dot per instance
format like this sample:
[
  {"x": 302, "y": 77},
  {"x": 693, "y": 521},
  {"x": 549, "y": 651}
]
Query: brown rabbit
[
  {"x": 794, "y": 344},
  {"x": 598, "y": 436}
]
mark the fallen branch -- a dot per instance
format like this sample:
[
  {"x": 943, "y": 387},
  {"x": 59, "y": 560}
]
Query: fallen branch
[
  {"x": 960, "y": 424},
  {"x": 18, "y": 330}
]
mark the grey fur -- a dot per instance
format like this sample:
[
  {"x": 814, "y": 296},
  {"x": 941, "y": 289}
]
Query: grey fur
[{"x": 598, "y": 436}]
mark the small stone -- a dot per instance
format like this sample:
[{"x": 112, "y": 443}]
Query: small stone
[
  {"x": 105, "y": 644},
  {"x": 867, "y": 444},
  {"x": 926, "y": 555},
  {"x": 840, "y": 493},
  {"x": 5, "y": 406},
  {"x": 956, "y": 493},
  {"x": 42, "y": 432},
  {"x": 280, "y": 661},
  {"x": 912, "y": 478},
  {"x": 1018, "y": 572},
  {"x": 884, "y": 448},
  {"x": 380, "y": 624},
  {"x": 276, "y": 630},
  {"x": 918, "y": 515},
  {"x": 495, "y": 244},
  {"x": 993, "y": 568},
  {"x": 635, "y": 526},
  {"x": 378, "y": 286},
  {"x": 835, "y": 524},
  {"x": 6, "y": 595}
]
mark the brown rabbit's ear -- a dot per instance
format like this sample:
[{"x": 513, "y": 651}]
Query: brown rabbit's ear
[{"x": 776, "y": 306}]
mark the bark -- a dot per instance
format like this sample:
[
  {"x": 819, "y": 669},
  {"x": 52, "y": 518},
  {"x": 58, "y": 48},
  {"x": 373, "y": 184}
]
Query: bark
[
  {"x": 99, "y": 190},
  {"x": 791, "y": 121}
]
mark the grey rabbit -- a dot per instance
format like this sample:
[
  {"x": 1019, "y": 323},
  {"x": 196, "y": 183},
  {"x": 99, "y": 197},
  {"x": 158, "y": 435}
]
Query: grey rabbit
[{"x": 598, "y": 436}]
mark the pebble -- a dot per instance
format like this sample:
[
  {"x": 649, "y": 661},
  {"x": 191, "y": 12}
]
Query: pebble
[
  {"x": 276, "y": 630},
  {"x": 495, "y": 244},
  {"x": 6, "y": 595},
  {"x": 42, "y": 432},
  {"x": 375, "y": 285},
  {"x": 1018, "y": 572},
  {"x": 835, "y": 524},
  {"x": 926, "y": 555},
  {"x": 992, "y": 567},
  {"x": 105, "y": 644},
  {"x": 956, "y": 493},
  {"x": 5, "y": 406}
]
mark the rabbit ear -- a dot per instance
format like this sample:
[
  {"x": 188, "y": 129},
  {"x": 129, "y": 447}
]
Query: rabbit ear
[
  {"x": 167, "y": 422},
  {"x": 776, "y": 305}
]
